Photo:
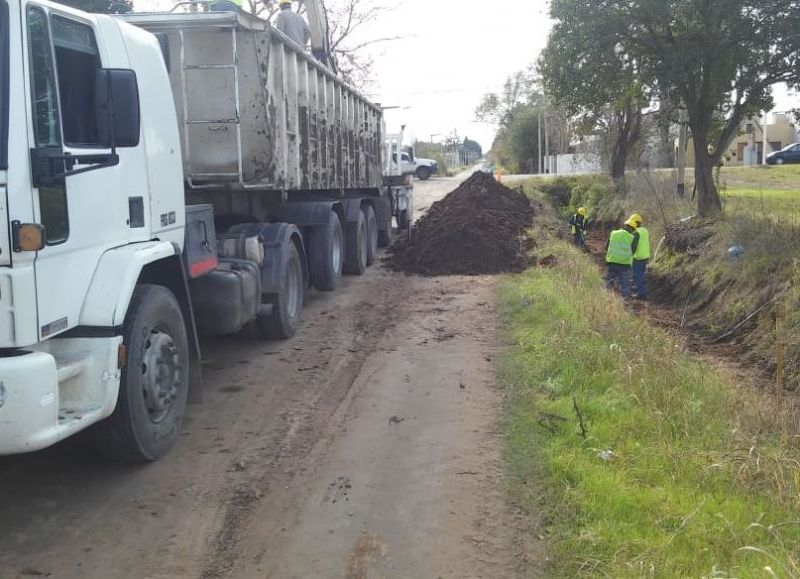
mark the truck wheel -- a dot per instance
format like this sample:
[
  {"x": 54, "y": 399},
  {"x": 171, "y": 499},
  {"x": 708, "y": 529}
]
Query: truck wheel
[
  {"x": 287, "y": 306},
  {"x": 155, "y": 380},
  {"x": 372, "y": 234},
  {"x": 424, "y": 173},
  {"x": 326, "y": 254},
  {"x": 355, "y": 255}
]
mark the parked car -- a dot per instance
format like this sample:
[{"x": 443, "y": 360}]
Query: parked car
[
  {"x": 488, "y": 168},
  {"x": 790, "y": 154}
]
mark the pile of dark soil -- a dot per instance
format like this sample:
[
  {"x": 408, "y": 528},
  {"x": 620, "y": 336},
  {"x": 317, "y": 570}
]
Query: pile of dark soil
[{"x": 477, "y": 229}]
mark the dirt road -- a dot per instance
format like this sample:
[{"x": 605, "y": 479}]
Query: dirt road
[{"x": 365, "y": 447}]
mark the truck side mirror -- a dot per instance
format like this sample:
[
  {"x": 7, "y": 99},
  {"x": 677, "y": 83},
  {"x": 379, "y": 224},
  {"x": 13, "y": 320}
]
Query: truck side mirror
[{"x": 117, "y": 106}]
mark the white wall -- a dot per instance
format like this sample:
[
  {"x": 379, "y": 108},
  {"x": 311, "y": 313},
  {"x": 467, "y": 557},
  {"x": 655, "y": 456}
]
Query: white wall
[{"x": 575, "y": 164}]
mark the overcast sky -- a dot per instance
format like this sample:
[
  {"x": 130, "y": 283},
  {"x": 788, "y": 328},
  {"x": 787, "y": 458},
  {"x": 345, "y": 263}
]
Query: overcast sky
[{"x": 454, "y": 51}]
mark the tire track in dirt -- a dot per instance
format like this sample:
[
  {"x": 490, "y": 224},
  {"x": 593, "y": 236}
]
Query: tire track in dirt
[{"x": 289, "y": 442}]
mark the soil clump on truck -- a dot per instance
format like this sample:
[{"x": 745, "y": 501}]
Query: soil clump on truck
[{"x": 479, "y": 228}]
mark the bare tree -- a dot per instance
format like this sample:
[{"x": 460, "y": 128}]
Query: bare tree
[{"x": 348, "y": 41}]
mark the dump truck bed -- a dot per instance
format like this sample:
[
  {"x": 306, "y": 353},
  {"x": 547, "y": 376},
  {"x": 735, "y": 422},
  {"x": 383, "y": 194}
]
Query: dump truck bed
[{"x": 259, "y": 112}]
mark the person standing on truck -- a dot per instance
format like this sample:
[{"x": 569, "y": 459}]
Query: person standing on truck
[
  {"x": 622, "y": 245},
  {"x": 292, "y": 24},
  {"x": 578, "y": 222},
  {"x": 225, "y": 5},
  {"x": 640, "y": 258}
]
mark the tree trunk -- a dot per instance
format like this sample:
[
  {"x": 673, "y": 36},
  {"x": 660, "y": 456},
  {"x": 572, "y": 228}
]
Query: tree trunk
[
  {"x": 665, "y": 147},
  {"x": 619, "y": 160},
  {"x": 709, "y": 204}
]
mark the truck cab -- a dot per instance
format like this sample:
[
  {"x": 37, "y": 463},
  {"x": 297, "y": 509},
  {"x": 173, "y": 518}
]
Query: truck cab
[{"x": 81, "y": 155}]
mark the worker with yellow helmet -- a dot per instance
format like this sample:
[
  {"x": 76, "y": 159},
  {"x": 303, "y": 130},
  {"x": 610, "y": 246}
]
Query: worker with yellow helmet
[
  {"x": 578, "y": 222},
  {"x": 641, "y": 256},
  {"x": 620, "y": 249}
]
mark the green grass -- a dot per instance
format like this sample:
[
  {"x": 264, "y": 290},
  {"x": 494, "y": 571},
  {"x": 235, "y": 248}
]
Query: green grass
[
  {"x": 702, "y": 481},
  {"x": 772, "y": 203},
  {"x": 783, "y": 177}
]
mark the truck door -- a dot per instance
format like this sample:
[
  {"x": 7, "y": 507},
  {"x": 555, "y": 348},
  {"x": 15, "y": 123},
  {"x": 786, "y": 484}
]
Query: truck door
[{"x": 83, "y": 215}]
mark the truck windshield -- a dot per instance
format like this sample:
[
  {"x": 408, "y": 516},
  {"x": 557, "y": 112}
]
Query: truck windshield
[{"x": 3, "y": 85}]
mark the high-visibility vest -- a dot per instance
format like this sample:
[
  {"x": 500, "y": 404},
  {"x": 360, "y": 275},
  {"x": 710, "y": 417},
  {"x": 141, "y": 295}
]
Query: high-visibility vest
[
  {"x": 620, "y": 250},
  {"x": 643, "y": 248}
]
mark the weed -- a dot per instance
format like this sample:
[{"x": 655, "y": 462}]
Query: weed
[{"x": 680, "y": 472}]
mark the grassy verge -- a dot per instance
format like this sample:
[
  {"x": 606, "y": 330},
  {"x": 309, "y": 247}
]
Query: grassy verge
[{"x": 700, "y": 477}]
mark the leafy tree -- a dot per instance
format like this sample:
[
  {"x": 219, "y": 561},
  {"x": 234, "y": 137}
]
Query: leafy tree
[
  {"x": 584, "y": 72},
  {"x": 719, "y": 58},
  {"x": 522, "y": 135},
  {"x": 472, "y": 146},
  {"x": 498, "y": 109}
]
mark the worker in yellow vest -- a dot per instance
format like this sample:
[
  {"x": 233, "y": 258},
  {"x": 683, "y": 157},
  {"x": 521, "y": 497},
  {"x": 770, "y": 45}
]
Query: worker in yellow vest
[
  {"x": 640, "y": 258},
  {"x": 622, "y": 244},
  {"x": 578, "y": 224}
]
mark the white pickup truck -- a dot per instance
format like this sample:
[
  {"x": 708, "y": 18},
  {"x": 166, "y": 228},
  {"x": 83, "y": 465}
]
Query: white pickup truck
[{"x": 423, "y": 169}]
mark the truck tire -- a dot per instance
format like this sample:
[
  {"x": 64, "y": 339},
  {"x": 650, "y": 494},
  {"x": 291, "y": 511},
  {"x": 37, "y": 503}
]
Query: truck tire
[
  {"x": 355, "y": 255},
  {"x": 424, "y": 173},
  {"x": 287, "y": 306},
  {"x": 372, "y": 234},
  {"x": 155, "y": 380},
  {"x": 326, "y": 254}
]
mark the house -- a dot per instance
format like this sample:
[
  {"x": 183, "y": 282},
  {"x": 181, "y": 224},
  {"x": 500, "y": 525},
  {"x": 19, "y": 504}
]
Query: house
[{"x": 747, "y": 147}]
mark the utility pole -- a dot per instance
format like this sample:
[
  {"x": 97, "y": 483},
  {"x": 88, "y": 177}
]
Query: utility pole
[
  {"x": 546, "y": 143},
  {"x": 539, "y": 145},
  {"x": 680, "y": 162},
  {"x": 766, "y": 140}
]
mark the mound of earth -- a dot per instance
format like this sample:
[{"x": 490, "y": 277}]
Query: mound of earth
[{"x": 479, "y": 228}]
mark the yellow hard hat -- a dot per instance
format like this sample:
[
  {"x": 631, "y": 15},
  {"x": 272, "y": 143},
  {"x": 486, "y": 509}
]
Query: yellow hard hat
[
  {"x": 582, "y": 211},
  {"x": 632, "y": 223},
  {"x": 637, "y": 218}
]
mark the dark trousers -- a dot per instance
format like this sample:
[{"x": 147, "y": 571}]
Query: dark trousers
[
  {"x": 619, "y": 276},
  {"x": 580, "y": 240},
  {"x": 639, "y": 278}
]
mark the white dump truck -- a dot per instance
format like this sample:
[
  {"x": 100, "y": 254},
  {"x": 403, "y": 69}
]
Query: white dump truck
[{"x": 164, "y": 177}]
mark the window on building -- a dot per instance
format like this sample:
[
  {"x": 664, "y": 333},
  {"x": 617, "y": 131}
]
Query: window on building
[{"x": 748, "y": 128}]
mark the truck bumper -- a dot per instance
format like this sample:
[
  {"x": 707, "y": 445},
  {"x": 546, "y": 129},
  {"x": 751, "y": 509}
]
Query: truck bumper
[
  {"x": 28, "y": 402},
  {"x": 45, "y": 398}
]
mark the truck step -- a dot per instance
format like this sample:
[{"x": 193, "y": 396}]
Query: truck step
[{"x": 71, "y": 366}]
